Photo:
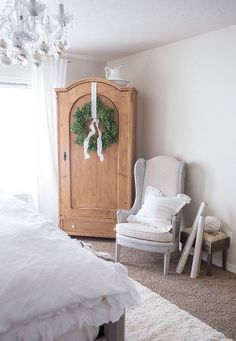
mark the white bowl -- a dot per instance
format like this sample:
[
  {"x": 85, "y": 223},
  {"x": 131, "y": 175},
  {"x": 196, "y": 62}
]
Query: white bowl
[{"x": 121, "y": 82}]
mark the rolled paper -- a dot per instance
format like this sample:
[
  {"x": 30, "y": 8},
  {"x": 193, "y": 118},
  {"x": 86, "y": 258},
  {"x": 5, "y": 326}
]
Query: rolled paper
[
  {"x": 198, "y": 247},
  {"x": 190, "y": 240}
]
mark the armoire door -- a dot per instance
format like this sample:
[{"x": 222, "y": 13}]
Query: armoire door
[{"x": 91, "y": 191}]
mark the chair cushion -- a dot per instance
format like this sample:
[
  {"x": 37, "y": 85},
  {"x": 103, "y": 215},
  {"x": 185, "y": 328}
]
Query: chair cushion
[{"x": 139, "y": 231}]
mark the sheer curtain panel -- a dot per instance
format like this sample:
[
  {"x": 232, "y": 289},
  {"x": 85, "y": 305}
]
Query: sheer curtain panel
[{"x": 50, "y": 75}]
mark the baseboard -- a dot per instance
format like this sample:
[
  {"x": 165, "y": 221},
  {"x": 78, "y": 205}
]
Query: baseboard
[{"x": 231, "y": 267}]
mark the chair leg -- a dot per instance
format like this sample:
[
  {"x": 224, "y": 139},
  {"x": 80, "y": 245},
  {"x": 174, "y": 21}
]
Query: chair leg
[
  {"x": 117, "y": 254},
  {"x": 166, "y": 263}
]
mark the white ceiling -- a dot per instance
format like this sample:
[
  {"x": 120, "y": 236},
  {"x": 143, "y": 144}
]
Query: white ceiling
[{"x": 109, "y": 29}]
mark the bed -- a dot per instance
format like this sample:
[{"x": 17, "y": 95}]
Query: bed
[{"x": 53, "y": 289}]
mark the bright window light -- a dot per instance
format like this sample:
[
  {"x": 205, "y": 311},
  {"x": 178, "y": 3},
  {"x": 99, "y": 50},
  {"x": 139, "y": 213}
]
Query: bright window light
[{"x": 17, "y": 130}]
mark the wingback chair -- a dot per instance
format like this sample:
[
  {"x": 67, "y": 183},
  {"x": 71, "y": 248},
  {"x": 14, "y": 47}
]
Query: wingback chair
[{"x": 168, "y": 175}]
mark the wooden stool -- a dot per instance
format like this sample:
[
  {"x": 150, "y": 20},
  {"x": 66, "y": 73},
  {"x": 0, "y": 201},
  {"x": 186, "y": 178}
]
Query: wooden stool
[{"x": 212, "y": 242}]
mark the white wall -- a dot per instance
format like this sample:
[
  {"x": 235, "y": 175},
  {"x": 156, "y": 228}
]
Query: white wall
[
  {"x": 16, "y": 72},
  {"x": 76, "y": 69},
  {"x": 80, "y": 68},
  {"x": 187, "y": 108}
]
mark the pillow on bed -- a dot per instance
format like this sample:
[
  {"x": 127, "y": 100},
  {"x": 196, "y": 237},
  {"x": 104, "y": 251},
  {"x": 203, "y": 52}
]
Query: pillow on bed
[{"x": 159, "y": 211}]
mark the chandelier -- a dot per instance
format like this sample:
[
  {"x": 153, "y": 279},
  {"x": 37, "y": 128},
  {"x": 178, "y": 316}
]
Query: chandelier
[{"x": 27, "y": 32}]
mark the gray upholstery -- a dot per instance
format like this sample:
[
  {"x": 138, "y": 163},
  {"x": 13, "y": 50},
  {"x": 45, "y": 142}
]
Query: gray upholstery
[
  {"x": 167, "y": 174},
  {"x": 163, "y": 173}
]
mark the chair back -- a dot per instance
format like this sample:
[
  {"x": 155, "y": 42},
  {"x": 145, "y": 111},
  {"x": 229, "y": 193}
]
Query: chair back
[{"x": 165, "y": 173}]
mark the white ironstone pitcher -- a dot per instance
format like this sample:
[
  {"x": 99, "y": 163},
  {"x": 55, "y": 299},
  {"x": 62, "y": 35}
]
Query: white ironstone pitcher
[{"x": 113, "y": 73}]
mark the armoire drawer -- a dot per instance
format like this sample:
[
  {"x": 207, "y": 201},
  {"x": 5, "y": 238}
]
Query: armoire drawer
[{"x": 94, "y": 228}]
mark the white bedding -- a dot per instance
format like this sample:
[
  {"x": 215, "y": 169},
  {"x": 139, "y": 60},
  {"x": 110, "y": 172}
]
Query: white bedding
[{"x": 49, "y": 283}]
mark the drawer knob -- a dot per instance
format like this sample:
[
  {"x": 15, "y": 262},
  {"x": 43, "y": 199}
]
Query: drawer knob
[{"x": 73, "y": 226}]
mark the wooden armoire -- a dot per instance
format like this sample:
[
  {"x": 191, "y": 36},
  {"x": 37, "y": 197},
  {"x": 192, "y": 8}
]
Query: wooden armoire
[{"x": 91, "y": 191}]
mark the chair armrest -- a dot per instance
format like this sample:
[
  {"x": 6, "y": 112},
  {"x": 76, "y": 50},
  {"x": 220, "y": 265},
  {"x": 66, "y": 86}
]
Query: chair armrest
[
  {"x": 139, "y": 171},
  {"x": 175, "y": 227},
  {"x": 123, "y": 214}
]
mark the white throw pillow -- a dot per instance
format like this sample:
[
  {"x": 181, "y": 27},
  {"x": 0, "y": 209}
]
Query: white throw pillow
[
  {"x": 158, "y": 211},
  {"x": 153, "y": 191}
]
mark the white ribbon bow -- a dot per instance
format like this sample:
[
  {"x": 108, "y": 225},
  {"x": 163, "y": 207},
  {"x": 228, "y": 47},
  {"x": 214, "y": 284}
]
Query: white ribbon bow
[{"x": 93, "y": 126}]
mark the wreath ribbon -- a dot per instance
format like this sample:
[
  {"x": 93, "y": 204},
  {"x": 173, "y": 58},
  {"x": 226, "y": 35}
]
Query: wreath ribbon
[{"x": 93, "y": 126}]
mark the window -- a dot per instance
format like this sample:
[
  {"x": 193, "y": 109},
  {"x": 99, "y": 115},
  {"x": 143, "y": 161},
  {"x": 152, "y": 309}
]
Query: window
[{"x": 17, "y": 122}]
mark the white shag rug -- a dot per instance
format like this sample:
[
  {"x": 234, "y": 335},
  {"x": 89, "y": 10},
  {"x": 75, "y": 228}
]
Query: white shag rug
[{"x": 156, "y": 319}]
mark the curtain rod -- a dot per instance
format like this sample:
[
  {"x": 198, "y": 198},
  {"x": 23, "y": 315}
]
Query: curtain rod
[{"x": 15, "y": 82}]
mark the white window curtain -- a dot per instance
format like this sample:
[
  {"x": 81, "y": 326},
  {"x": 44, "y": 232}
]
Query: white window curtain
[
  {"x": 16, "y": 136},
  {"x": 50, "y": 75}
]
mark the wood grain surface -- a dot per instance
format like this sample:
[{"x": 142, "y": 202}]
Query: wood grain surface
[{"x": 91, "y": 191}]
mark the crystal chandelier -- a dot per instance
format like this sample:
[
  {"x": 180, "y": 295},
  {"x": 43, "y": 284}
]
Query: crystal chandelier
[{"x": 28, "y": 32}]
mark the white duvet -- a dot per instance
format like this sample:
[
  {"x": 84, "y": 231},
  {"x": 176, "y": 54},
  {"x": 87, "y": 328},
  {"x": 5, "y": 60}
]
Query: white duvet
[{"x": 48, "y": 283}]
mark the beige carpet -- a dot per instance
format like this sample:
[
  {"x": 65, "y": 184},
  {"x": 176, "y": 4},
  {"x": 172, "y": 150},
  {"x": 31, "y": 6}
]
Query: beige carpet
[{"x": 211, "y": 299}]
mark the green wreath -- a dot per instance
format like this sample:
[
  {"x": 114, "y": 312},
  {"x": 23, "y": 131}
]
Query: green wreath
[{"x": 107, "y": 123}]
